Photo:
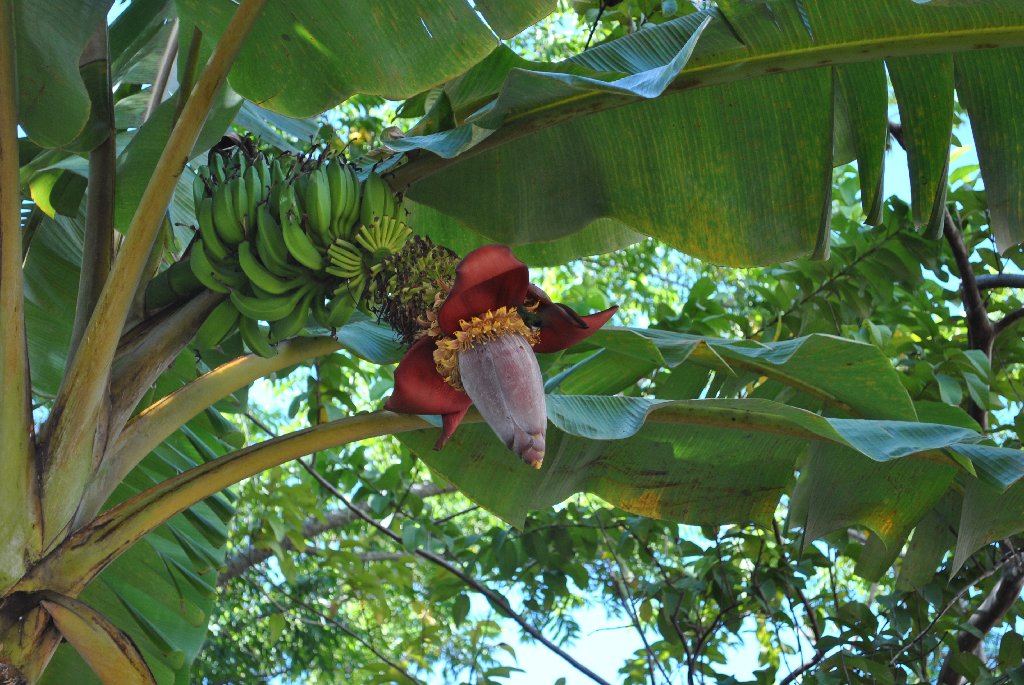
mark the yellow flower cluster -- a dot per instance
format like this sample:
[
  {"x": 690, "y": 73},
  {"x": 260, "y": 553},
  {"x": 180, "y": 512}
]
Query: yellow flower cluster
[{"x": 478, "y": 331}]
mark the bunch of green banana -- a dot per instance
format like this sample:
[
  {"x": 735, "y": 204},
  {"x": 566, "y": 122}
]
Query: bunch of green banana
[{"x": 287, "y": 236}]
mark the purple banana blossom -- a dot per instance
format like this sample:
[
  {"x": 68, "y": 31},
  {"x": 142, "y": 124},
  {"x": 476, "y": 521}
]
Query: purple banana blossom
[{"x": 482, "y": 352}]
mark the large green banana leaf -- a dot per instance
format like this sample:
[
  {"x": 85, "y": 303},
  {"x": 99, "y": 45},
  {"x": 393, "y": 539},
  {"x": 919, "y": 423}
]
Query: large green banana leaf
[
  {"x": 305, "y": 56},
  {"x": 53, "y": 105},
  {"x": 730, "y": 460},
  {"x": 725, "y": 153},
  {"x": 724, "y": 461}
]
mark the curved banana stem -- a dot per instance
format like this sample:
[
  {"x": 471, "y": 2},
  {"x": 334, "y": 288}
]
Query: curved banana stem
[
  {"x": 18, "y": 499},
  {"x": 158, "y": 421},
  {"x": 77, "y": 409},
  {"x": 75, "y": 562}
]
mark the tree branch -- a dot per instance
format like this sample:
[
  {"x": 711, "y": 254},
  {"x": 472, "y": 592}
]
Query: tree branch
[
  {"x": 98, "y": 249},
  {"x": 76, "y": 411},
  {"x": 986, "y": 281},
  {"x": 19, "y": 501},
  {"x": 241, "y": 561},
  {"x": 497, "y": 600},
  {"x": 334, "y": 622},
  {"x": 980, "y": 333},
  {"x": 1001, "y": 599},
  {"x": 945, "y": 609},
  {"x": 1007, "y": 321},
  {"x": 626, "y": 598}
]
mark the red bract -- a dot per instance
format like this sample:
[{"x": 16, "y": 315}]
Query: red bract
[{"x": 492, "y": 300}]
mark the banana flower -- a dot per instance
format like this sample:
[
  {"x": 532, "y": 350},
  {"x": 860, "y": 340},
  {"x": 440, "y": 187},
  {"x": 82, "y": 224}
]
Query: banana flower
[{"x": 478, "y": 348}]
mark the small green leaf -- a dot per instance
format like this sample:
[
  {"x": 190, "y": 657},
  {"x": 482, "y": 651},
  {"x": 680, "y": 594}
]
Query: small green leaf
[
  {"x": 460, "y": 610},
  {"x": 277, "y": 624},
  {"x": 949, "y": 389},
  {"x": 411, "y": 534}
]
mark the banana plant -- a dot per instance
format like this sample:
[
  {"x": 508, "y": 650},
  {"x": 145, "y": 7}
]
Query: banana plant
[{"x": 694, "y": 106}]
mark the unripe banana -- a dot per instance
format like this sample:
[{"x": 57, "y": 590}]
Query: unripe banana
[
  {"x": 352, "y": 287},
  {"x": 241, "y": 203},
  {"x": 174, "y": 284},
  {"x": 253, "y": 193},
  {"x": 215, "y": 247},
  {"x": 198, "y": 191},
  {"x": 260, "y": 276},
  {"x": 218, "y": 325},
  {"x": 217, "y": 167},
  {"x": 318, "y": 205},
  {"x": 295, "y": 321},
  {"x": 270, "y": 245},
  {"x": 298, "y": 243},
  {"x": 265, "y": 179},
  {"x": 254, "y": 337},
  {"x": 336, "y": 312},
  {"x": 384, "y": 237},
  {"x": 269, "y": 308},
  {"x": 377, "y": 200},
  {"x": 345, "y": 258},
  {"x": 203, "y": 269},
  {"x": 344, "y": 186},
  {"x": 224, "y": 218},
  {"x": 276, "y": 171}
]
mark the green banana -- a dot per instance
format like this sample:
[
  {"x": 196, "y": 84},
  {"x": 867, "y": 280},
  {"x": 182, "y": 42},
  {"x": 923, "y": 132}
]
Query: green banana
[
  {"x": 217, "y": 326},
  {"x": 224, "y": 218},
  {"x": 384, "y": 237},
  {"x": 260, "y": 276},
  {"x": 198, "y": 191},
  {"x": 294, "y": 322},
  {"x": 377, "y": 200},
  {"x": 276, "y": 171},
  {"x": 318, "y": 205},
  {"x": 344, "y": 187},
  {"x": 254, "y": 337},
  {"x": 298, "y": 243},
  {"x": 219, "y": 172},
  {"x": 173, "y": 284},
  {"x": 215, "y": 247},
  {"x": 265, "y": 179},
  {"x": 270, "y": 308},
  {"x": 345, "y": 258},
  {"x": 202, "y": 267},
  {"x": 240, "y": 197},
  {"x": 335, "y": 312},
  {"x": 254, "y": 194},
  {"x": 270, "y": 245}
]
